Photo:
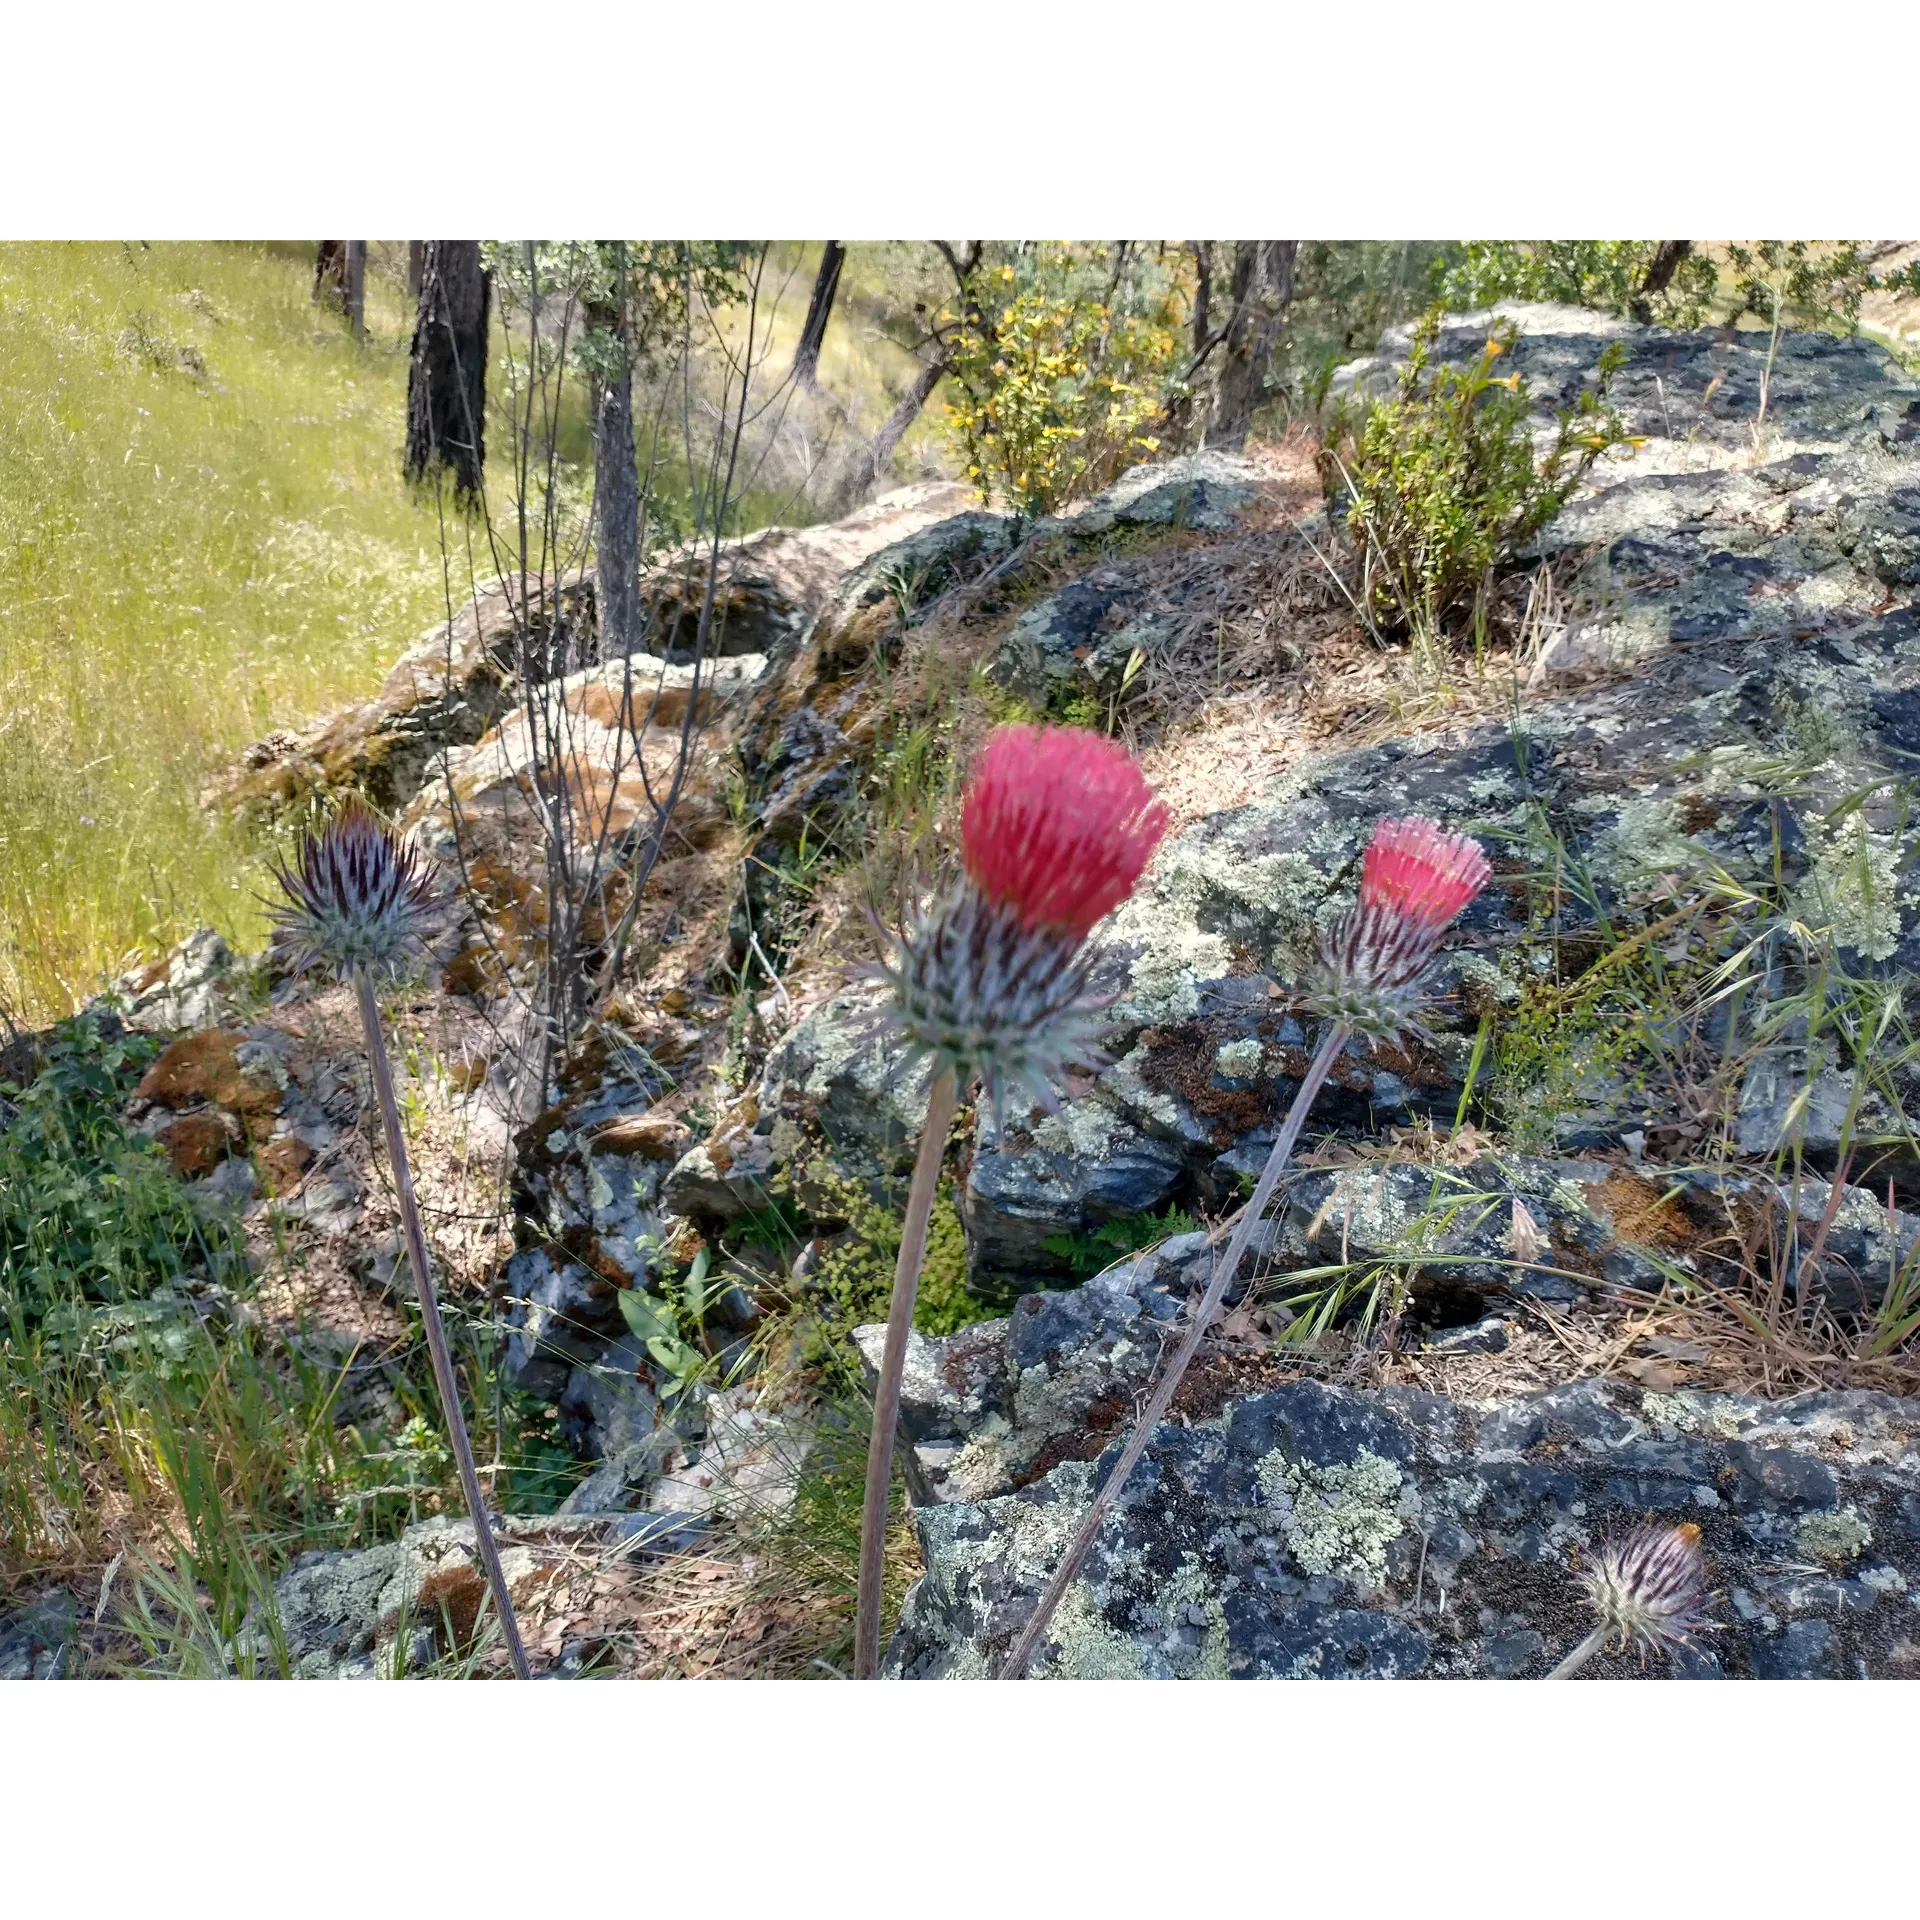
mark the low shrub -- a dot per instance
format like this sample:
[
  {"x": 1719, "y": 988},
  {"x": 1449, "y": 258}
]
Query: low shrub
[{"x": 1442, "y": 484}]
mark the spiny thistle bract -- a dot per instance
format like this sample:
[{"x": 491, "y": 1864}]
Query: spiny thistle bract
[
  {"x": 1650, "y": 1587},
  {"x": 359, "y": 898},
  {"x": 1416, "y": 880},
  {"x": 1056, "y": 827}
]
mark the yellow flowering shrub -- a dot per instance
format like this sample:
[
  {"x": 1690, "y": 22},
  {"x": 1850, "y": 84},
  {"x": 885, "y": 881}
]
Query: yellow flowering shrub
[{"x": 1054, "y": 386}]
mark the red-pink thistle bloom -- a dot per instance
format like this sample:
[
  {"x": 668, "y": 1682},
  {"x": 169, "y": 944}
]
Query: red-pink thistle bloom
[
  {"x": 1416, "y": 879},
  {"x": 1414, "y": 868},
  {"x": 1059, "y": 824},
  {"x": 1056, "y": 827}
]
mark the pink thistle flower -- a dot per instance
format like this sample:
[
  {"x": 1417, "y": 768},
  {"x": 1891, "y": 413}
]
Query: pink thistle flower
[
  {"x": 1057, "y": 826},
  {"x": 1415, "y": 881},
  {"x": 1058, "y": 823},
  {"x": 1416, "y": 869}
]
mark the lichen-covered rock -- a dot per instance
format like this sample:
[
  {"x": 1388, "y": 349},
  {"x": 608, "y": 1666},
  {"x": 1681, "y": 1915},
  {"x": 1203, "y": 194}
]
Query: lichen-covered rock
[
  {"x": 457, "y": 680},
  {"x": 1311, "y": 1532},
  {"x": 1081, "y": 639},
  {"x": 382, "y": 1612},
  {"x": 1209, "y": 492},
  {"x": 464, "y": 677},
  {"x": 195, "y": 984}
]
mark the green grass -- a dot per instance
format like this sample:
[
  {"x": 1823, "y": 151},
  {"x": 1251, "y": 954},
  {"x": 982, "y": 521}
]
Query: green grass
[{"x": 188, "y": 560}]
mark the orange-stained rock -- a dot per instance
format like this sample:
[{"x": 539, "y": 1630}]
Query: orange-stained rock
[
  {"x": 197, "y": 1142},
  {"x": 653, "y": 1136},
  {"x": 282, "y": 1162},
  {"x": 206, "y": 1066}
]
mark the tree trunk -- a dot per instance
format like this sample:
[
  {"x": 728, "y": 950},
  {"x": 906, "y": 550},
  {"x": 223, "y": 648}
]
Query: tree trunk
[
  {"x": 1202, "y": 251},
  {"x": 1665, "y": 263},
  {"x": 1262, "y": 289},
  {"x": 330, "y": 274},
  {"x": 447, "y": 380},
  {"x": 806, "y": 357},
  {"x": 616, "y": 481},
  {"x": 356, "y": 288},
  {"x": 870, "y": 462},
  {"x": 416, "y": 261}
]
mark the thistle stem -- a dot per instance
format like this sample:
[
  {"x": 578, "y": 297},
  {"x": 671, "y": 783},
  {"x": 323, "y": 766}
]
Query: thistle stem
[
  {"x": 1162, "y": 1397},
  {"x": 1581, "y": 1654},
  {"x": 942, "y": 1098},
  {"x": 430, "y": 1318}
]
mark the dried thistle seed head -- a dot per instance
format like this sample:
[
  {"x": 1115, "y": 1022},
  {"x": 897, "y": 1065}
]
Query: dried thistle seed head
[
  {"x": 978, "y": 992},
  {"x": 1415, "y": 881},
  {"x": 1058, "y": 824},
  {"x": 357, "y": 898},
  {"x": 1650, "y": 1588}
]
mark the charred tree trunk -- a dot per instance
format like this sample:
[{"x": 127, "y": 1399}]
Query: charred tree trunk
[
  {"x": 870, "y": 462},
  {"x": 1202, "y": 251},
  {"x": 806, "y": 356},
  {"x": 1665, "y": 263},
  {"x": 356, "y": 288},
  {"x": 447, "y": 380},
  {"x": 1262, "y": 290},
  {"x": 416, "y": 261},
  {"x": 616, "y": 481},
  {"x": 330, "y": 275}
]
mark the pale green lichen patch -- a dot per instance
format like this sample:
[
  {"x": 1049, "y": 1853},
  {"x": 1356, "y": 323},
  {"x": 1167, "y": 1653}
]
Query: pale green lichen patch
[
  {"x": 986, "y": 1464},
  {"x": 1853, "y": 890},
  {"x": 1692, "y": 1412},
  {"x": 1337, "y": 1519},
  {"x": 1644, "y": 836},
  {"x": 1079, "y": 1127},
  {"x": 1239, "y": 1059},
  {"x": 1204, "y": 894},
  {"x": 1832, "y": 1537},
  {"x": 1089, "y": 1648}
]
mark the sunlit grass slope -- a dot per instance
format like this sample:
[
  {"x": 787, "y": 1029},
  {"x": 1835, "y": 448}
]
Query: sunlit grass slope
[{"x": 203, "y": 536}]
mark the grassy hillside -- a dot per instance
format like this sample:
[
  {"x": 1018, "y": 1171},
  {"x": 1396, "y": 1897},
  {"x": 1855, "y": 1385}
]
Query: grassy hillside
[{"x": 203, "y": 536}]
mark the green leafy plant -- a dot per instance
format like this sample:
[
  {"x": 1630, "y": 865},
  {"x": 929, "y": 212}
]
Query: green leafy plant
[
  {"x": 1441, "y": 484},
  {"x": 662, "y": 1325},
  {"x": 1113, "y": 1240},
  {"x": 91, "y": 1216}
]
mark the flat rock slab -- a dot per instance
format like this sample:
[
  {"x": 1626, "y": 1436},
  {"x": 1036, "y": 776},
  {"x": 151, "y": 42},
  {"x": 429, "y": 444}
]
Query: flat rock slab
[{"x": 1312, "y": 1532}]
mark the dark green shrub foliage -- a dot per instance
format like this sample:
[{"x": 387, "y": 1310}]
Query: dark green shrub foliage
[
  {"x": 1441, "y": 484},
  {"x": 1608, "y": 274}
]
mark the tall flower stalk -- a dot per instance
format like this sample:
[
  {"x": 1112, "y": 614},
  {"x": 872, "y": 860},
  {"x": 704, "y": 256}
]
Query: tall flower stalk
[
  {"x": 362, "y": 904},
  {"x": 1415, "y": 881},
  {"x": 994, "y": 981}
]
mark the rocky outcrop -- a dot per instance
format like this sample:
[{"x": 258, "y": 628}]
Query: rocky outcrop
[
  {"x": 1763, "y": 737},
  {"x": 1313, "y": 1532},
  {"x": 387, "y": 1611},
  {"x": 457, "y": 680},
  {"x": 463, "y": 677}
]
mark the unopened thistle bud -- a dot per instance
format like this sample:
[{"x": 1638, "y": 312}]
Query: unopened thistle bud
[
  {"x": 1056, "y": 827},
  {"x": 1649, "y": 1588},
  {"x": 1416, "y": 880},
  {"x": 358, "y": 898}
]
